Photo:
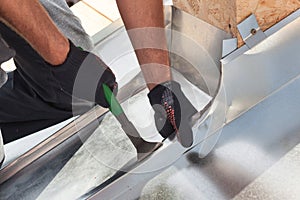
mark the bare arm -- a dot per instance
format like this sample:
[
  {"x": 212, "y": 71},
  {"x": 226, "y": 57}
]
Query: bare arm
[
  {"x": 31, "y": 21},
  {"x": 144, "y": 21}
]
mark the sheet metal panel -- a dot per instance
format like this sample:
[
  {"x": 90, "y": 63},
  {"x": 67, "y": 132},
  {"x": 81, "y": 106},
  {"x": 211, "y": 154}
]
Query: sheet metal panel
[
  {"x": 248, "y": 146},
  {"x": 262, "y": 70}
]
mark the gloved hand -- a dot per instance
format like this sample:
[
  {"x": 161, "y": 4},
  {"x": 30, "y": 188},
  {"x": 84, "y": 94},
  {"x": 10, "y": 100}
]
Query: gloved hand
[
  {"x": 83, "y": 74},
  {"x": 173, "y": 112}
]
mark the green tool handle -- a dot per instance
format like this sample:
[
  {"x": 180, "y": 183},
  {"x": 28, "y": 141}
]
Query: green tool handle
[
  {"x": 118, "y": 112},
  {"x": 114, "y": 105}
]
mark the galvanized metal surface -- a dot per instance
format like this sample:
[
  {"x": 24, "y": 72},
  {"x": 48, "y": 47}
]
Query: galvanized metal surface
[
  {"x": 250, "y": 144},
  {"x": 261, "y": 127},
  {"x": 251, "y": 32},
  {"x": 248, "y": 147},
  {"x": 262, "y": 70},
  {"x": 240, "y": 51},
  {"x": 278, "y": 182},
  {"x": 68, "y": 131},
  {"x": 229, "y": 45}
]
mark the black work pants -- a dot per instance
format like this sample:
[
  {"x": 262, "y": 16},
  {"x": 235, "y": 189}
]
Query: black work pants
[{"x": 32, "y": 99}]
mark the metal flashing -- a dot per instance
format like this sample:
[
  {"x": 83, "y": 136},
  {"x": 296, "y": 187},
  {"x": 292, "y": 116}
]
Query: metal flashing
[
  {"x": 251, "y": 32},
  {"x": 235, "y": 54},
  {"x": 229, "y": 45}
]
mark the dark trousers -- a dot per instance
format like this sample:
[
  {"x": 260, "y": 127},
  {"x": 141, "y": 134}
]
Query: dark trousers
[{"x": 32, "y": 99}]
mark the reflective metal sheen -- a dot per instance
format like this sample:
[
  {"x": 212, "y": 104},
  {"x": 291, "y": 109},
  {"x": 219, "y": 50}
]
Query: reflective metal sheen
[{"x": 252, "y": 123}]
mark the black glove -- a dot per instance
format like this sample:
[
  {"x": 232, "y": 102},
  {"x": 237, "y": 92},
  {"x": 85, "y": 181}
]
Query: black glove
[
  {"x": 173, "y": 112},
  {"x": 83, "y": 75}
]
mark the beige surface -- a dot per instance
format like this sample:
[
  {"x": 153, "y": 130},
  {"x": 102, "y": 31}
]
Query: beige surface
[
  {"x": 267, "y": 12},
  {"x": 107, "y": 8},
  {"x": 92, "y": 21},
  {"x": 221, "y": 13}
]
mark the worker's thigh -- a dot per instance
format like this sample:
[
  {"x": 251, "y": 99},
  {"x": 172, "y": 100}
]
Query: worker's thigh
[
  {"x": 32, "y": 67},
  {"x": 23, "y": 112},
  {"x": 32, "y": 98}
]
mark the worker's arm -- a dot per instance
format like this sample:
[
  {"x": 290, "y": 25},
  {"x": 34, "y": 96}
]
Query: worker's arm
[
  {"x": 144, "y": 21},
  {"x": 31, "y": 21}
]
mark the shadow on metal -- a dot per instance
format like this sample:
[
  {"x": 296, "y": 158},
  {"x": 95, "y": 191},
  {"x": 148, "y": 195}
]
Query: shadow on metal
[{"x": 258, "y": 84}]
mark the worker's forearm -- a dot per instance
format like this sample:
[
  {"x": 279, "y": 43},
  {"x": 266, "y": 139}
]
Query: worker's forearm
[
  {"x": 144, "y": 21},
  {"x": 32, "y": 22}
]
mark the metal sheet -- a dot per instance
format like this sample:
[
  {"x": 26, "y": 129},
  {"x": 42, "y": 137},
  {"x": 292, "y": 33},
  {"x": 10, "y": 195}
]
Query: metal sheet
[
  {"x": 117, "y": 62},
  {"x": 262, "y": 70},
  {"x": 247, "y": 147},
  {"x": 196, "y": 50},
  {"x": 260, "y": 88}
]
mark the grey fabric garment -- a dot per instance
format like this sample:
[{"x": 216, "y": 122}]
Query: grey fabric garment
[
  {"x": 5, "y": 54},
  {"x": 3, "y": 77},
  {"x": 68, "y": 23}
]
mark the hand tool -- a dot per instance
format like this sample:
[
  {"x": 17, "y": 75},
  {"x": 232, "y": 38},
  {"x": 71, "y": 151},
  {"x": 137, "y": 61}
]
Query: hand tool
[{"x": 143, "y": 147}]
